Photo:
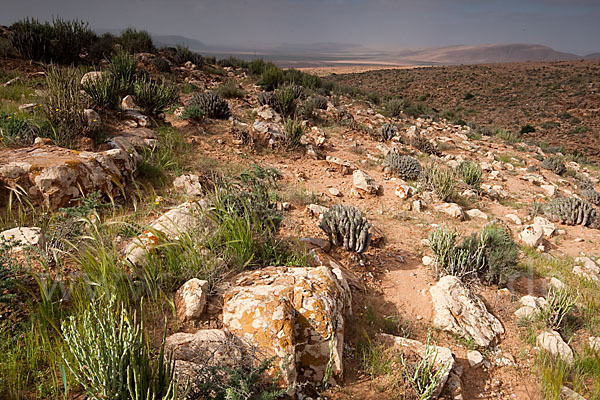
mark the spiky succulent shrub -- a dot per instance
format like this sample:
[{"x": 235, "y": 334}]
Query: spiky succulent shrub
[
  {"x": 293, "y": 133},
  {"x": 560, "y": 303},
  {"x": 346, "y": 226},
  {"x": 108, "y": 354},
  {"x": 439, "y": 179},
  {"x": 154, "y": 97},
  {"x": 554, "y": 164},
  {"x": 134, "y": 41},
  {"x": 387, "y": 132},
  {"x": 422, "y": 144},
  {"x": 394, "y": 107},
  {"x": 105, "y": 90},
  {"x": 470, "y": 173},
  {"x": 320, "y": 102},
  {"x": 183, "y": 55},
  {"x": 572, "y": 211},
  {"x": 592, "y": 196},
  {"x": 213, "y": 105},
  {"x": 123, "y": 66},
  {"x": 405, "y": 166},
  {"x": 161, "y": 64},
  {"x": 266, "y": 99},
  {"x": 271, "y": 78},
  {"x": 286, "y": 99}
]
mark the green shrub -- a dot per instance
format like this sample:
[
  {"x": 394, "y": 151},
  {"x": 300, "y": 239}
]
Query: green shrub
[
  {"x": 61, "y": 41},
  {"x": 108, "y": 354},
  {"x": 105, "y": 91},
  {"x": 183, "y": 55},
  {"x": 232, "y": 62},
  {"x": 508, "y": 136},
  {"x": 64, "y": 105},
  {"x": 266, "y": 98},
  {"x": 103, "y": 48},
  {"x": 7, "y": 271},
  {"x": 161, "y": 65},
  {"x": 293, "y": 133},
  {"x": 469, "y": 96},
  {"x": 320, "y": 102},
  {"x": 439, "y": 179},
  {"x": 405, "y": 166},
  {"x": 307, "y": 109},
  {"x": 491, "y": 255},
  {"x": 230, "y": 90},
  {"x": 271, "y": 77},
  {"x": 16, "y": 130},
  {"x": 134, "y": 41},
  {"x": 257, "y": 66},
  {"x": 154, "y": 97},
  {"x": 560, "y": 303},
  {"x": 123, "y": 66},
  {"x": 394, "y": 107},
  {"x": 286, "y": 99},
  {"x": 193, "y": 113},
  {"x": 423, "y": 144},
  {"x": 470, "y": 173},
  {"x": 527, "y": 129},
  {"x": 213, "y": 105},
  {"x": 554, "y": 164}
]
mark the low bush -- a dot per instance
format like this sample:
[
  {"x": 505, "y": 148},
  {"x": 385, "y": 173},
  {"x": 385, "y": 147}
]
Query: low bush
[
  {"x": 123, "y": 66},
  {"x": 230, "y": 90},
  {"x": 554, "y": 164},
  {"x": 271, "y": 77},
  {"x": 470, "y": 173},
  {"x": 508, "y": 136},
  {"x": 527, "y": 129},
  {"x": 103, "y": 48},
  {"x": 345, "y": 225},
  {"x": 193, "y": 113},
  {"x": 134, "y": 41},
  {"x": 405, "y": 166},
  {"x": 423, "y": 144},
  {"x": 490, "y": 255},
  {"x": 232, "y": 62},
  {"x": 105, "y": 91},
  {"x": 213, "y": 105},
  {"x": 387, "y": 132},
  {"x": 183, "y": 54},
  {"x": 161, "y": 65},
  {"x": 293, "y": 133},
  {"x": 439, "y": 179},
  {"x": 394, "y": 107},
  {"x": 286, "y": 99},
  {"x": 257, "y": 66},
  {"x": 154, "y": 97},
  {"x": 61, "y": 41},
  {"x": 16, "y": 130},
  {"x": 108, "y": 354}
]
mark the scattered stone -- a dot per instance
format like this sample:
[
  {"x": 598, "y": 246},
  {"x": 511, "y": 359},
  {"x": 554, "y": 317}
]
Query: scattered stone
[
  {"x": 137, "y": 117},
  {"x": 589, "y": 270},
  {"x": 335, "y": 192},
  {"x": 128, "y": 104},
  {"x": 531, "y": 307},
  {"x": 547, "y": 227},
  {"x": 418, "y": 206},
  {"x": 134, "y": 141},
  {"x": 365, "y": 182},
  {"x": 207, "y": 347},
  {"x": 532, "y": 235},
  {"x": 189, "y": 184},
  {"x": 461, "y": 312},
  {"x": 553, "y": 343},
  {"x": 23, "y": 237},
  {"x": 475, "y": 358},
  {"x": 190, "y": 299},
  {"x": 427, "y": 261},
  {"x": 556, "y": 283},
  {"x": 94, "y": 122},
  {"x": 452, "y": 209},
  {"x": 345, "y": 165},
  {"x": 568, "y": 394},
  {"x": 323, "y": 244},
  {"x": 550, "y": 190},
  {"x": 475, "y": 213},
  {"x": 316, "y": 210},
  {"x": 92, "y": 76}
]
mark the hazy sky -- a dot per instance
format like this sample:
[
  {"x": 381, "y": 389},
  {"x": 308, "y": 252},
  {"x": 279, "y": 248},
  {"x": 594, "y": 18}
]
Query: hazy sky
[{"x": 566, "y": 25}]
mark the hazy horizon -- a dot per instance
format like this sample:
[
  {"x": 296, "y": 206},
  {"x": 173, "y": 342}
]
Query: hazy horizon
[{"x": 565, "y": 25}]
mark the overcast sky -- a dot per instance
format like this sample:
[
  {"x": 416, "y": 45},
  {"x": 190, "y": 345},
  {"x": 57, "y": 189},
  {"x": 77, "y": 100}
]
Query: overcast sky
[{"x": 565, "y": 25}]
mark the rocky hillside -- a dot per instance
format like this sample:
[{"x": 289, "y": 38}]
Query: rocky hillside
[{"x": 177, "y": 227}]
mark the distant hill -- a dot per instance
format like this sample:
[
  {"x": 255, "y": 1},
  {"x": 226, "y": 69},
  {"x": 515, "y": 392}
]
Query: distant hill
[
  {"x": 593, "y": 56},
  {"x": 490, "y": 53}
]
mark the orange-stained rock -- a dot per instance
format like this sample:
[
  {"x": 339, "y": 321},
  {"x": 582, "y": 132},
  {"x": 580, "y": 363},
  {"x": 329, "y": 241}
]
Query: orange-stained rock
[
  {"x": 293, "y": 314},
  {"x": 54, "y": 176}
]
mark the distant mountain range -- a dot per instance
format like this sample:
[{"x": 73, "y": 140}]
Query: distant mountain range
[{"x": 325, "y": 53}]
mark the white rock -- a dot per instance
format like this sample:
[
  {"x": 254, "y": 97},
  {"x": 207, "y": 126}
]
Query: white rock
[
  {"x": 553, "y": 343},
  {"x": 475, "y": 358},
  {"x": 556, "y": 283},
  {"x": 568, "y": 394},
  {"x": 189, "y": 184},
  {"x": 335, "y": 192},
  {"x": 461, "y": 312},
  {"x": 427, "y": 261},
  {"x": 547, "y": 227},
  {"x": 128, "y": 104},
  {"x": 452, "y": 209},
  {"x": 93, "y": 119},
  {"x": 92, "y": 76},
  {"x": 532, "y": 235},
  {"x": 22, "y": 237},
  {"x": 594, "y": 343},
  {"x": 190, "y": 299},
  {"x": 316, "y": 210},
  {"x": 212, "y": 347},
  {"x": 364, "y": 181},
  {"x": 550, "y": 190},
  {"x": 418, "y": 206},
  {"x": 476, "y": 213}
]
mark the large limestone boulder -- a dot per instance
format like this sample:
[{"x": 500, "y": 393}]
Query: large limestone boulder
[
  {"x": 54, "y": 176},
  {"x": 168, "y": 227},
  {"x": 461, "y": 312},
  {"x": 296, "y": 315}
]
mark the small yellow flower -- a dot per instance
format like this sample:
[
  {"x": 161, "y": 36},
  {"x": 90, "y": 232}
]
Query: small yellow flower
[
  {"x": 125, "y": 318},
  {"x": 9, "y": 237},
  {"x": 58, "y": 109},
  {"x": 9, "y": 117}
]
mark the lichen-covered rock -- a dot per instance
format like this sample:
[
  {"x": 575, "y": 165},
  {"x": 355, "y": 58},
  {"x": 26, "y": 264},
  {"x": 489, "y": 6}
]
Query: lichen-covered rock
[
  {"x": 296, "y": 315},
  {"x": 168, "y": 227},
  {"x": 459, "y": 311},
  {"x": 54, "y": 176}
]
